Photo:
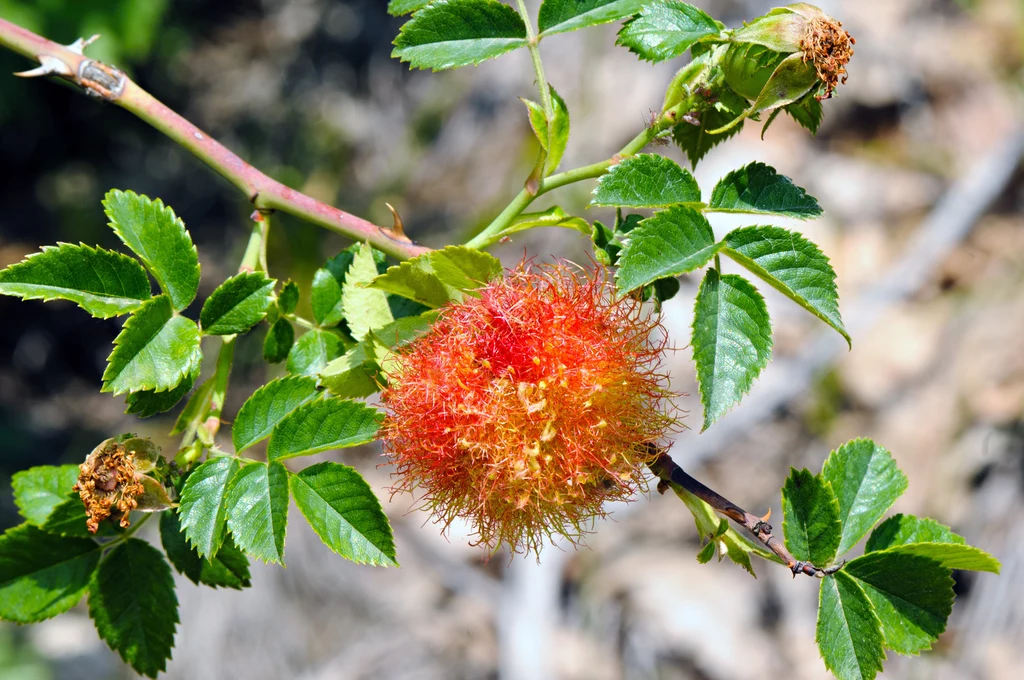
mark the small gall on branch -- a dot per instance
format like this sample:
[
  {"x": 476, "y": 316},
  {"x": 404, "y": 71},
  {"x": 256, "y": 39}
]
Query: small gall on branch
[{"x": 525, "y": 408}]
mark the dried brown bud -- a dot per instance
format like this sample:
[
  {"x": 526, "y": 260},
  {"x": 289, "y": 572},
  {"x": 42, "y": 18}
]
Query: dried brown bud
[{"x": 108, "y": 484}]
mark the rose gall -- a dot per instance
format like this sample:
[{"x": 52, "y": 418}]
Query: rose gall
[{"x": 524, "y": 409}]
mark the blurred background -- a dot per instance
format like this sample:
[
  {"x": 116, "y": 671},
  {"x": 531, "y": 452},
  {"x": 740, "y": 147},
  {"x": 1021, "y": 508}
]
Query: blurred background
[{"x": 916, "y": 166}]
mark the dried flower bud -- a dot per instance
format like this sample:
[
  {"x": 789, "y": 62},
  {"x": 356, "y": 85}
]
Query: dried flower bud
[
  {"x": 110, "y": 479},
  {"x": 524, "y": 409}
]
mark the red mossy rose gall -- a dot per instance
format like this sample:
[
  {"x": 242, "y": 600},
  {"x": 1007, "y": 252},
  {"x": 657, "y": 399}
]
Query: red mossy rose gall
[{"x": 524, "y": 409}]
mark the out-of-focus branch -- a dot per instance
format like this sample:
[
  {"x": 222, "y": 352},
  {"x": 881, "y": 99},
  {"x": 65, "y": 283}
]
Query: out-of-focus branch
[{"x": 111, "y": 84}]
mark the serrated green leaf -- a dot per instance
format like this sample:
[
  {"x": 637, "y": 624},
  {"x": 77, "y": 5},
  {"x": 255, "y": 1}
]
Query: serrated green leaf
[
  {"x": 697, "y": 140},
  {"x": 706, "y": 553},
  {"x": 464, "y": 269},
  {"x": 288, "y": 298},
  {"x": 365, "y": 308},
  {"x": 452, "y": 33},
  {"x": 732, "y": 341},
  {"x": 397, "y": 8},
  {"x": 102, "y": 282},
  {"x": 148, "y": 403},
  {"x": 415, "y": 280},
  {"x": 268, "y": 406},
  {"x": 38, "y": 490},
  {"x": 792, "y": 265},
  {"x": 344, "y": 512},
  {"x": 159, "y": 238},
  {"x": 68, "y": 518},
  {"x": 325, "y": 298},
  {"x": 552, "y": 217},
  {"x": 912, "y": 596},
  {"x": 760, "y": 189},
  {"x": 321, "y": 426},
  {"x": 134, "y": 607},
  {"x": 313, "y": 351},
  {"x": 203, "y": 506},
  {"x": 42, "y": 575},
  {"x": 352, "y": 375},
  {"x": 229, "y": 569},
  {"x": 670, "y": 243},
  {"x": 562, "y": 16},
  {"x": 646, "y": 180},
  {"x": 951, "y": 555},
  {"x": 808, "y": 112},
  {"x": 278, "y": 341},
  {"x": 867, "y": 482},
  {"x": 238, "y": 304},
  {"x": 553, "y": 136},
  {"x": 849, "y": 634},
  {"x": 257, "y": 505},
  {"x": 902, "y": 529},
  {"x": 665, "y": 30},
  {"x": 810, "y": 518},
  {"x": 154, "y": 351}
]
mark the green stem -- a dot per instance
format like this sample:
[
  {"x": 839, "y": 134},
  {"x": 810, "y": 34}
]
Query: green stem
[
  {"x": 490, "y": 235},
  {"x": 532, "y": 42}
]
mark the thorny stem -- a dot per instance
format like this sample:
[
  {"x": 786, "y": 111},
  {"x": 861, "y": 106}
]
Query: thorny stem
[
  {"x": 112, "y": 85},
  {"x": 670, "y": 473}
]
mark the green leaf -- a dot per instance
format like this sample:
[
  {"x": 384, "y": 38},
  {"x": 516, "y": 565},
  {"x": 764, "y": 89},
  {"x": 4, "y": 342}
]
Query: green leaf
[
  {"x": 849, "y": 633},
  {"x": 464, "y": 269},
  {"x": 344, "y": 512},
  {"x": 912, "y": 596},
  {"x": 321, "y": 426},
  {"x": 288, "y": 298},
  {"x": 792, "y": 265},
  {"x": 903, "y": 529},
  {"x": 665, "y": 30},
  {"x": 203, "y": 506},
  {"x": 197, "y": 406},
  {"x": 325, "y": 298},
  {"x": 258, "y": 510},
  {"x": 148, "y": 403},
  {"x": 811, "y": 518},
  {"x": 155, "y": 350},
  {"x": 365, "y": 308},
  {"x": 278, "y": 342},
  {"x": 951, "y": 555},
  {"x": 553, "y": 138},
  {"x": 552, "y": 217},
  {"x": 415, "y": 279},
  {"x": 238, "y": 304},
  {"x": 38, "y": 490},
  {"x": 42, "y": 575},
  {"x": 229, "y": 569},
  {"x": 101, "y": 282},
  {"x": 132, "y": 602},
  {"x": 353, "y": 374},
  {"x": 758, "y": 188},
  {"x": 452, "y": 33},
  {"x": 808, "y": 112},
  {"x": 313, "y": 351},
  {"x": 696, "y": 140},
  {"x": 69, "y": 519},
  {"x": 670, "y": 243},
  {"x": 867, "y": 482},
  {"x": 268, "y": 406},
  {"x": 561, "y": 16},
  {"x": 732, "y": 341},
  {"x": 646, "y": 180},
  {"x": 159, "y": 238},
  {"x": 397, "y": 8}
]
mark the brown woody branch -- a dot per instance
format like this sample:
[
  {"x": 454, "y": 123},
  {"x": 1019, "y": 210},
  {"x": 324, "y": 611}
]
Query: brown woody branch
[
  {"x": 668, "y": 472},
  {"x": 111, "y": 84}
]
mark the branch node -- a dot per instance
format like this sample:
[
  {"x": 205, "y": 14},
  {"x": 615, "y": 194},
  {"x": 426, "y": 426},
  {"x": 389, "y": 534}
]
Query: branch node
[{"x": 101, "y": 80}]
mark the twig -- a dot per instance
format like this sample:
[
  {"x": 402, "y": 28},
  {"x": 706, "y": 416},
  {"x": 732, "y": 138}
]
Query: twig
[
  {"x": 670, "y": 473},
  {"x": 111, "y": 84}
]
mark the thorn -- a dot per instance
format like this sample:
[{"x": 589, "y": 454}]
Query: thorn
[
  {"x": 397, "y": 226},
  {"x": 256, "y": 216},
  {"x": 767, "y": 516},
  {"x": 48, "y": 66},
  {"x": 78, "y": 47}
]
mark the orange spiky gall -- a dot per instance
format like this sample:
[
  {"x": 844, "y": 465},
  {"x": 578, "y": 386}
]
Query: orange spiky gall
[{"x": 529, "y": 405}]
